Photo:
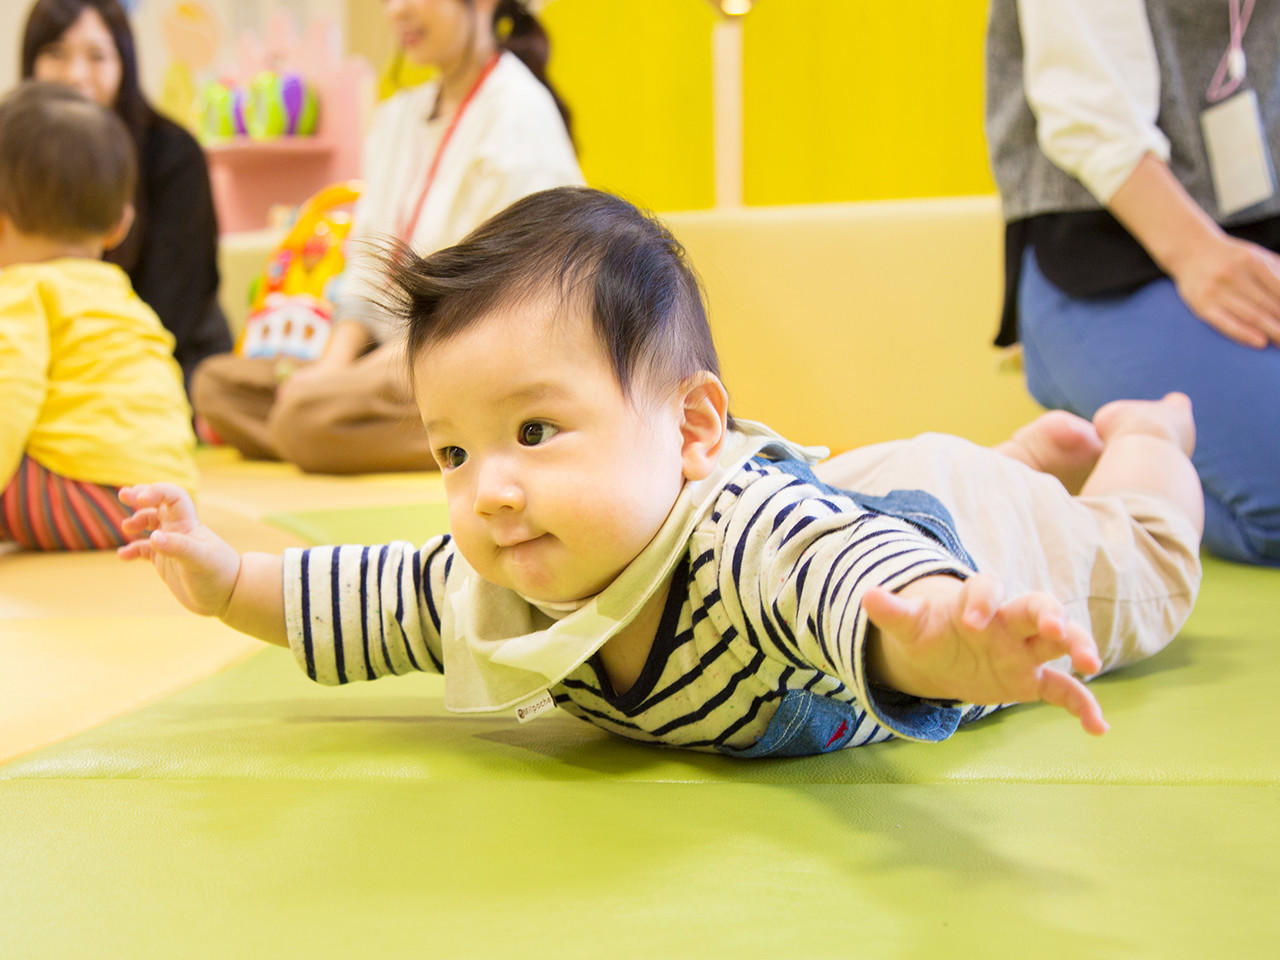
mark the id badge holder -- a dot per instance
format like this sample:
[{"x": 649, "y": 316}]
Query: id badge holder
[{"x": 1239, "y": 160}]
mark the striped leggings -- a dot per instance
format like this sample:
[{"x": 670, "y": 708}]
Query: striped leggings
[{"x": 42, "y": 510}]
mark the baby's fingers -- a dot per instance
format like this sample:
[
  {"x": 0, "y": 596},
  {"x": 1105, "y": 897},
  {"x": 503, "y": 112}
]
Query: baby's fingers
[
  {"x": 141, "y": 521},
  {"x": 982, "y": 595},
  {"x": 1035, "y": 613},
  {"x": 170, "y": 501},
  {"x": 1063, "y": 690},
  {"x": 1083, "y": 650},
  {"x": 893, "y": 614},
  {"x": 176, "y": 546},
  {"x": 1055, "y": 636},
  {"x": 135, "y": 550}
]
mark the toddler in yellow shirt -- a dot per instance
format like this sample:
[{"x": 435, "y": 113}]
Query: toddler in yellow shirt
[{"x": 92, "y": 397}]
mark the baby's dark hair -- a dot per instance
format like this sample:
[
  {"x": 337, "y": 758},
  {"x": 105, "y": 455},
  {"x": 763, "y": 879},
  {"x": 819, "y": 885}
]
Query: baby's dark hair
[
  {"x": 571, "y": 243},
  {"x": 67, "y": 165}
]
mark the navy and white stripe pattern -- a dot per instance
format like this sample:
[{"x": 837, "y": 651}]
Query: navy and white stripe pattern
[{"x": 766, "y": 600}]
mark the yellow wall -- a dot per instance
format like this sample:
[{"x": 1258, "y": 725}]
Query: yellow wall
[
  {"x": 843, "y": 99},
  {"x": 637, "y": 76},
  {"x": 863, "y": 100}
]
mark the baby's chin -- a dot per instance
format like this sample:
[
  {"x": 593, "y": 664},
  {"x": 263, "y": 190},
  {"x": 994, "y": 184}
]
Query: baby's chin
[
  {"x": 532, "y": 572},
  {"x": 563, "y": 598}
]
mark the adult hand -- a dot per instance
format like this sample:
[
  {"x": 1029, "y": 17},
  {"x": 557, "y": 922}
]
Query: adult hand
[
  {"x": 1230, "y": 284},
  {"x": 347, "y": 341},
  {"x": 1234, "y": 286},
  {"x": 302, "y": 376}
]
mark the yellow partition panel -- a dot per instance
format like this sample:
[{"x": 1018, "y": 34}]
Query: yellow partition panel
[
  {"x": 843, "y": 100},
  {"x": 637, "y": 76},
  {"x": 849, "y": 100},
  {"x": 850, "y": 324}
]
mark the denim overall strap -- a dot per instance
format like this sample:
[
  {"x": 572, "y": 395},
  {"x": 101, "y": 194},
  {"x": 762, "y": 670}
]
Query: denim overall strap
[
  {"x": 806, "y": 723},
  {"x": 922, "y": 510}
]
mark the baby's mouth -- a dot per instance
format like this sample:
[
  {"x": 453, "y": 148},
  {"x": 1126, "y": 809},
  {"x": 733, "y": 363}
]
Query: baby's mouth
[{"x": 508, "y": 543}]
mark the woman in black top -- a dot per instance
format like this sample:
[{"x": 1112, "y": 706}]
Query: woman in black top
[{"x": 170, "y": 254}]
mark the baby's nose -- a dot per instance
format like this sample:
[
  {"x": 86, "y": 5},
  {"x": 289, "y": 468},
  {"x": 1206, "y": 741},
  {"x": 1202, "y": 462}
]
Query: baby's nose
[{"x": 498, "y": 489}]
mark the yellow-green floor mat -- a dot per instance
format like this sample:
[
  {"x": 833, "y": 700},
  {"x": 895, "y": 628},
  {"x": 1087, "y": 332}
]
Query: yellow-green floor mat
[
  {"x": 144, "y": 869},
  {"x": 414, "y": 522},
  {"x": 257, "y": 814}
]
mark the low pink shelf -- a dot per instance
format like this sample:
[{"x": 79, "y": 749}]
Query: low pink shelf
[{"x": 250, "y": 176}]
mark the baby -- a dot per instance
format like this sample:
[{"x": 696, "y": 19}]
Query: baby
[
  {"x": 91, "y": 394},
  {"x": 621, "y": 548}
]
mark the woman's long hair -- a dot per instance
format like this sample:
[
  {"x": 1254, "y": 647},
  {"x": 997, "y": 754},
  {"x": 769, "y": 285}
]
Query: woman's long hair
[
  {"x": 519, "y": 31},
  {"x": 49, "y": 20}
]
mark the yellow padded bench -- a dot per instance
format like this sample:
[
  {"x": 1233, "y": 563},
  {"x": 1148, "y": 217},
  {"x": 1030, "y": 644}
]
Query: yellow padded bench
[
  {"x": 849, "y": 324},
  {"x": 837, "y": 324},
  {"x": 224, "y": 806}
]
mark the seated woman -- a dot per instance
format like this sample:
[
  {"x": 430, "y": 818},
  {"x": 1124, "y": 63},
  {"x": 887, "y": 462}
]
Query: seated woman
[
  {"x": 171, "y": 252},
  {"x": 439, "y": 159},
  {"x": 1133, "y": 146}
]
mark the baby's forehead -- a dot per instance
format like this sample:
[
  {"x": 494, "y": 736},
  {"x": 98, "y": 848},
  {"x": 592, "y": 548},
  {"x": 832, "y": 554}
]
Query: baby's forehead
[
  {"x": 519, "y": 336},
  {"x": 537, "y": 319}
]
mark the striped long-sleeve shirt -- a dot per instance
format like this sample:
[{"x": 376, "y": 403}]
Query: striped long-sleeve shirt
[{"x": 763, "y": 622}]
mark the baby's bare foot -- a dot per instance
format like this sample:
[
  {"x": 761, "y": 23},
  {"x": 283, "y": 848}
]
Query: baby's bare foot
[
  {"x": 1169, "y": 417},
  {"x": 1058, "y": 443}
]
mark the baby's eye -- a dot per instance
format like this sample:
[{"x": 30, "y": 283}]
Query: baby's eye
[
  {"x": 450, "y": 458},
  {"x": 535, "y": 432}
]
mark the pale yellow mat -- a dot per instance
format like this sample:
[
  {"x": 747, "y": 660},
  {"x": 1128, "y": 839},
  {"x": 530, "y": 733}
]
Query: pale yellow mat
[{"x": 85, "y": 637}]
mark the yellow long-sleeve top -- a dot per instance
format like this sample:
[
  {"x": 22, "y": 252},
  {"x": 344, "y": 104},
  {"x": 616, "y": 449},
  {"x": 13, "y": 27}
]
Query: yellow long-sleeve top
[{"x": 88, "y": 385}]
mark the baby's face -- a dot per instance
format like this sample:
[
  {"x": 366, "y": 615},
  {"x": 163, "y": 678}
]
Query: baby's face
[{"x": 555, "y": 479}]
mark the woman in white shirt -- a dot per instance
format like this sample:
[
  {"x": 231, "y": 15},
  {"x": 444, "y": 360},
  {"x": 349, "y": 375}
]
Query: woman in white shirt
[
  {"x": 1132, "y": 143},
  {"x": 438, "y": 160}
]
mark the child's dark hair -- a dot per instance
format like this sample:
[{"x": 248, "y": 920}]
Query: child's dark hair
[
  {"x": 574, "y": 244},
  {"x": 67, "y": 167}
]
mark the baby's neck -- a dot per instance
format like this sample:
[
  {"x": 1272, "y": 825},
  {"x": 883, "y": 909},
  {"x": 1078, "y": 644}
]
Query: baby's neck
[
  {"x": 29, "y": 248},
  {"x": 624, "y": 655}
]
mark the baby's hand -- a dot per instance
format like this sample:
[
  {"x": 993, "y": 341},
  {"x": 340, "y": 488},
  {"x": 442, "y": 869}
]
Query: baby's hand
[
  {"x": 943, "y": 638},
  {"x": 197, "y": 565}
]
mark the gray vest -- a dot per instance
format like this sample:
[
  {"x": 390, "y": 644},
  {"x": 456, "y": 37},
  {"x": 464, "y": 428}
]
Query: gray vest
[{"x": 1190, "y": 38}]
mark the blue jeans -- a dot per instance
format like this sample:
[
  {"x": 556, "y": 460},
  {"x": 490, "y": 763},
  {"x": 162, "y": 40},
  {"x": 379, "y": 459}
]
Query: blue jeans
[{"x": 1080, "y": 354}]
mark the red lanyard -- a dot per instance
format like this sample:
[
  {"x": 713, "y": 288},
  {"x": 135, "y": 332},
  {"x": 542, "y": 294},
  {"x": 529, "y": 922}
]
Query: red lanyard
[{"x": 407, "y": 228}]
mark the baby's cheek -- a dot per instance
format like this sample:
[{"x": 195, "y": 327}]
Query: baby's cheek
[{"x": 467, "y": 542}]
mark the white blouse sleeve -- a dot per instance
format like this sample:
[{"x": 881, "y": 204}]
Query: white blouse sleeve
[{"x": 1093, "y": 82}]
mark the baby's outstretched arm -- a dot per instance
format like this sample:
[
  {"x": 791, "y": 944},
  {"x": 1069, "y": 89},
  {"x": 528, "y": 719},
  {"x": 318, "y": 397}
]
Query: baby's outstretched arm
[
  {"x": 947, "y": 639},
  {"x": 201, "y": 569}
]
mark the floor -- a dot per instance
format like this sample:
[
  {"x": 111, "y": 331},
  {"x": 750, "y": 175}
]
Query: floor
[{"x": 169, "y": 788}]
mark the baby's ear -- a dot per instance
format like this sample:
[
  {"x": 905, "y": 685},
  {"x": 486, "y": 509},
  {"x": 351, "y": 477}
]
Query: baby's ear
[
  {"x": 703, "y": 421},
  {"x": 115, "y": 236}
]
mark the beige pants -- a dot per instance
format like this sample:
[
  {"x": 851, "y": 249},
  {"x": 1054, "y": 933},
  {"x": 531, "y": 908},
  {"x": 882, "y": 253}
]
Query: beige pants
[
  {"x": 361, "y": 419},
  {"x": 1127, "y": 567}
]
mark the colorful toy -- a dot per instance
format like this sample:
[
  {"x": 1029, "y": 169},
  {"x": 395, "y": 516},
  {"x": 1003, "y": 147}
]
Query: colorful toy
[
  {"x": 272, "y": 105},
  {"x": 280, "y": 104},
  {"x": 292, "y": 299},
  {"x": 217, "y": 121}
]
